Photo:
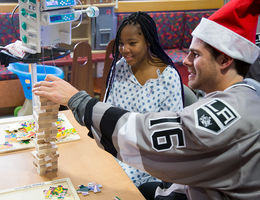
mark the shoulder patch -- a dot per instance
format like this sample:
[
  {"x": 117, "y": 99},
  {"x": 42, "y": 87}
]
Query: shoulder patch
[{"x": 215, "y": 116}]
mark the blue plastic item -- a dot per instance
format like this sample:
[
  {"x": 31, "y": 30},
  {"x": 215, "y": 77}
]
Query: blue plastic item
[{"x": 22, "y": 71}]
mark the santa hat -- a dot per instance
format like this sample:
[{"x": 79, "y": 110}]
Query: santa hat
[{"x": 232, "y": 29}]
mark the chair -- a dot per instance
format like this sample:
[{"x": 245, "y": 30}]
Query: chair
[
  {"x": 107, "y": 65},
  {"x": 189, "y": 96},
  {"x": 82, "y": 74},
  {"x": 11, "y": 92},
  {"x": 11, "y": 95}
]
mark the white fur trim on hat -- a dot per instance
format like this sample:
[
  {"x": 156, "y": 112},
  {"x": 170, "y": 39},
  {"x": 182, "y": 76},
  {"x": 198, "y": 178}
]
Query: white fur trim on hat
[{"x": 226, "y": 41}]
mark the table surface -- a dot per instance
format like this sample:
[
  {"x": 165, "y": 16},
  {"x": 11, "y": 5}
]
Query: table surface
[{"x": 82, "y": 161}]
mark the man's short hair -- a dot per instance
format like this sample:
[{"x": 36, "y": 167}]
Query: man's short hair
[{"x": 241, "y": 67}]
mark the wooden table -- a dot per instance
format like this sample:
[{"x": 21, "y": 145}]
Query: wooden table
[{"x": 82, "y": 161}]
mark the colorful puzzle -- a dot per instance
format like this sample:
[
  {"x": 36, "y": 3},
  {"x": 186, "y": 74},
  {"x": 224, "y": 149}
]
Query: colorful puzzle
[
  {"x": 58, "y": 191},
  {"x": 18, "y": 133},
  {"x": 61, "y": 189}
]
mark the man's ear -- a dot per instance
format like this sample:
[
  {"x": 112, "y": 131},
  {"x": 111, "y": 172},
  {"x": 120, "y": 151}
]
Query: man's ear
[{"x": 225, "y": 61}]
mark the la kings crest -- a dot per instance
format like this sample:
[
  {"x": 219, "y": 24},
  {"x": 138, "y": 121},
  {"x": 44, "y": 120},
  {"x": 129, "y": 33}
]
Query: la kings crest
[{"x": 215, "y": 116}]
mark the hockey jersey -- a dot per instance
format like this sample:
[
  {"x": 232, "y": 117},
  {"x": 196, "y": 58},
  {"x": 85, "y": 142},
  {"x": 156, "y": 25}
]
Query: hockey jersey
[{"x": 212, "y": 146}]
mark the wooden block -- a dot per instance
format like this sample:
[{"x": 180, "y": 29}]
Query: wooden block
[
  {"x": 50, "y": 122},
  {"x": 49, "y": 131},
  {"x": 46, "y": 108},
  {"x": 44, "y": 115},
  {"x": 41, "y": 171},
  {"x": 46, "y": 152},
  {"x": 38, "y": 161},
  {"x": 45, "y": 136},
  {"x": 42, "y": 146},
  {"x": 50, "y": 139},
  {"x": 41, "y": 156},
  {"x": 52, "y": 165},
  {"x": 50, "y": 108},
  {"x": 41, "y": 135},
  {"x": 45, "y": 127},
  {"x": 44, "y": 170},
  {"x": 45, "y": 146},
  {"x": 45, "y": 140},
  {"x": 45, "y": 160},
  {"x": 39, "y": 141},
  {"x": 42, "y": 101},
  {"x": 44, "y": 121}
]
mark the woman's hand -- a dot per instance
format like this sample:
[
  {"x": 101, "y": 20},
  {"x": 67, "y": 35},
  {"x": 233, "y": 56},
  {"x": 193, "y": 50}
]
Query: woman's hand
[{"x": 55, "y": 89}]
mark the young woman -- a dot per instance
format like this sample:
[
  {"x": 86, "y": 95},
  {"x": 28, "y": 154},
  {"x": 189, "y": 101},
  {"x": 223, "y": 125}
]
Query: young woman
[{"x": 142, "y": 76}]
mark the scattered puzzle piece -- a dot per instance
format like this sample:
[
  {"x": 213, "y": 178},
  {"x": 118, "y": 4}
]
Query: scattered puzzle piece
[
  {"x": 83, "y": 190},
  {"x": 92, "y": 187}
]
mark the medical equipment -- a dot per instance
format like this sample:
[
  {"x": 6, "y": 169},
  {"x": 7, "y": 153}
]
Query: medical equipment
[{"x": 46, "y": 23}]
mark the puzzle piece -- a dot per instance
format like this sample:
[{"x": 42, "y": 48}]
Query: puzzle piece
[
  {"x": 92, "y": 187},
  {"x": 96, "y": 189}
]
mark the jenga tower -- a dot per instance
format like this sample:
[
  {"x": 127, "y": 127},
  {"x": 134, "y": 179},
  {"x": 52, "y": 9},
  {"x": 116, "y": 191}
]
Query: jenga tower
[{"x": 45, "y": 114}]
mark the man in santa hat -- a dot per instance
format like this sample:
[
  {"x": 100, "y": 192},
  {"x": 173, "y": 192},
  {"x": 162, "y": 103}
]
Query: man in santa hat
[{"x": 212, "y": 146}]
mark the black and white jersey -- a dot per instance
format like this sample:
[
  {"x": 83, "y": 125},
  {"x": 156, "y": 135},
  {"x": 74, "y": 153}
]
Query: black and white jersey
[{"x": 212, "y": 146}]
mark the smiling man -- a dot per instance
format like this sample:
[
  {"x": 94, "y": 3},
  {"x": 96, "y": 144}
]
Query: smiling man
[{"x": 212, "y": 146}]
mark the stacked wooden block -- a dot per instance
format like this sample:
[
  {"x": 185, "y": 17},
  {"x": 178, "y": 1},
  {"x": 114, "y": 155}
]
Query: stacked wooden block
[{"x": 45, "y": 114}]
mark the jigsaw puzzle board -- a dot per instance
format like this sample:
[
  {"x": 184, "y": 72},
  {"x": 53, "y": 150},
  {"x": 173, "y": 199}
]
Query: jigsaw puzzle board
[
  {"x": 17, "y": 133},
  {"x": 36, "y": 191}
]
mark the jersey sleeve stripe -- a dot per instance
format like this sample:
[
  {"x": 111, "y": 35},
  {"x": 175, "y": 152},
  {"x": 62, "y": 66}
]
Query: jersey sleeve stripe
[
  {"x": 88, "y": 115},
  {"x": 107, "y": 126},
  {"x": 154, "y": 122}
]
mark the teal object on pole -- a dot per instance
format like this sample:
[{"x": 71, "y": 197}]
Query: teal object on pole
[{"x": 22, "y": 71}]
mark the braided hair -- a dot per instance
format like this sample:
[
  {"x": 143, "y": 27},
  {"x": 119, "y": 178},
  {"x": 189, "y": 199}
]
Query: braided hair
[{"x": 149, "y": 31}]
